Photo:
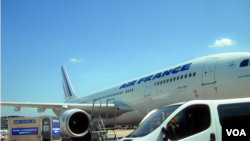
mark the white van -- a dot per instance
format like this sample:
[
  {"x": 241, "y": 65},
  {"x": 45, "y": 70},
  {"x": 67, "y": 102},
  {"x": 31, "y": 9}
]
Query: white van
[{"x": 197, "y": 120}]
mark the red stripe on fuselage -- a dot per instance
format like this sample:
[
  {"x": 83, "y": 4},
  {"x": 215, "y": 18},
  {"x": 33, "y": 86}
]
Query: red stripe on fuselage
[{"x": 64, "y": 90}]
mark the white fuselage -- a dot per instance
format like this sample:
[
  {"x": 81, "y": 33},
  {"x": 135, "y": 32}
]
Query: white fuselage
[{"x": 211, "y": 77}]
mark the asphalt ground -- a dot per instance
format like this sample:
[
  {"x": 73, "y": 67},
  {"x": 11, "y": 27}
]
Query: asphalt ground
[{"x": 120, "y": 134}]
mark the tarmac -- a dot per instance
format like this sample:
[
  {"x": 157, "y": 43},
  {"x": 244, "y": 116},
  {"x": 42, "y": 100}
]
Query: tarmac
[{"x": 120, "y": 134}]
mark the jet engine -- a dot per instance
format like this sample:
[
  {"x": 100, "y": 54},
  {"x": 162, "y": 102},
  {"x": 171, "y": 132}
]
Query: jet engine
[{"x": 75, "y": 123}]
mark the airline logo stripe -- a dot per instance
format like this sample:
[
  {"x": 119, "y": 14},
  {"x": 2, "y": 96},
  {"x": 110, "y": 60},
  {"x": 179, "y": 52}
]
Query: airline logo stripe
[
  {"x": 67, "y": 85},
  {"x": 158, "y": 75},
  {"x": 64, "y": 90}
]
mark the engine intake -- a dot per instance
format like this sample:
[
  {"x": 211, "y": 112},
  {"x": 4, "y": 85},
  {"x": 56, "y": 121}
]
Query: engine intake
[{"x": 75, "y": 123}]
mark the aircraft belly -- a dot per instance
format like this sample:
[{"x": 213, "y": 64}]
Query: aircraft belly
[{"x": 129, "y": 118}]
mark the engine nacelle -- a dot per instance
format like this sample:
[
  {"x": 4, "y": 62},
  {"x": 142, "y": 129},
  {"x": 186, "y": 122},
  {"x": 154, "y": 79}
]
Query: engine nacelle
[{"x": 74, "y": 123}]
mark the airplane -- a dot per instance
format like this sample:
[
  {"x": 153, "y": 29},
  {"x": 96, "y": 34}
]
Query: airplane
[{"x": 219, "y": 76}]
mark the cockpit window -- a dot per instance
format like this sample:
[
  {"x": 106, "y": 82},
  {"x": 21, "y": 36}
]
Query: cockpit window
[{"x": 244, "y": 63}]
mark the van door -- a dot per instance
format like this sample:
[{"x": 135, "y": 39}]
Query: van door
[
  {"x": 208, "y": 76},
  {"x": 194, "y": 123}
]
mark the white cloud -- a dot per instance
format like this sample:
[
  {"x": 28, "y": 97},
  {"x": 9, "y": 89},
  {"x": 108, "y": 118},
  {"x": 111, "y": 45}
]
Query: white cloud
[
  {"x": 75, "y": 60},
  {"x": 222, "y": 42}
]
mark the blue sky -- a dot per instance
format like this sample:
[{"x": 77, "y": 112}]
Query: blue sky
[{"x": 103, "y": 43}]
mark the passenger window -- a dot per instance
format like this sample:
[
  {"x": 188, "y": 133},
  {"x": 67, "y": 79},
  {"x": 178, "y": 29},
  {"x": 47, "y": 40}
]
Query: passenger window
[
  {"x": 157, "y": 83},
  {"x": 185, "y": 75},
  {"x": 178, "y": 78},
  {"x": 170, "y": 79},
  {"x": 164, "y": 81},
  {"x": 167, "y": 81},
  {"x": 244, "y": 63},
  {"x": 238, "y": 114},
  {"x": 189, "y": 121},
  {"x": 161, "y": 82},
  {"x": 190, "y": 74},
  {"x": 194, "y": 74},
  {"x": 174, "y": 79},
  {"x": 181, "y": 76}
]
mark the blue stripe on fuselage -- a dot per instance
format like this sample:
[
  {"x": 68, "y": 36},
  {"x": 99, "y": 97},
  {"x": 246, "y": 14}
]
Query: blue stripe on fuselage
[{"x": 67, "y": 85}]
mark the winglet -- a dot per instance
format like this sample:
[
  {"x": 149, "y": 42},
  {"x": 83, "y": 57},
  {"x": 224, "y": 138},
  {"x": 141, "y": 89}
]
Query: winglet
[{"x": 67, "y": 87}]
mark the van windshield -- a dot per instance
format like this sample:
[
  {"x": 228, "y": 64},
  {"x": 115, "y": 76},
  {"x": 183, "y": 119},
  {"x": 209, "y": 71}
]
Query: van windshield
[{"x": 153, "y": 121}]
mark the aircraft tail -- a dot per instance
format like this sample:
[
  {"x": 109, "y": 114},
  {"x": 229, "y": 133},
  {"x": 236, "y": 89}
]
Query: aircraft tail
[{"x": 67, "y": 87}]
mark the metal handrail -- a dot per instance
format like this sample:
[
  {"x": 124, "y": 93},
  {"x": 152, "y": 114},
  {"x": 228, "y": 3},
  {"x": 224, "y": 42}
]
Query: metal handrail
[
  {"x": 100, "y": 119},
  {"x": 107, "y": 110},
  {"x": 98, "y": 111}
]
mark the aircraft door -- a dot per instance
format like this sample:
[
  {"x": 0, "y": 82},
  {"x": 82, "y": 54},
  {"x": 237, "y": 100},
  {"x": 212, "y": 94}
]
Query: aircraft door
[
  {"x": 147, "y": 90},
  {"x": 208, "y": 75}
]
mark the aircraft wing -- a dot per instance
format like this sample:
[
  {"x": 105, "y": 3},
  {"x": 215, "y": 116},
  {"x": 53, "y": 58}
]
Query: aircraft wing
[{"x": 120, "y": 107}]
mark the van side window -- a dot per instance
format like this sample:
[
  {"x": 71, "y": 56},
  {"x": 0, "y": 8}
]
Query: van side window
[
  {"x": 237, "y": 113},
  {"x": 244, "y": 63},
  {"x": 189, "y": 121}
]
